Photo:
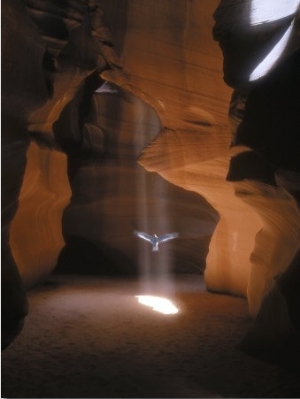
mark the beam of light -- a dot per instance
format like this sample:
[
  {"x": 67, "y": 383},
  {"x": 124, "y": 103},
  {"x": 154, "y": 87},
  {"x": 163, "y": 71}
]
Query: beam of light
[
  {"x": 272, "y": 57},
  {"x": 271, "y": 10},
  {"x": 152, "y": 205},
  {"x": 159, "y": 304}
]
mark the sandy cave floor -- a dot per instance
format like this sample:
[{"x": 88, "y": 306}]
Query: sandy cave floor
[{"x": 88, "y": 337}]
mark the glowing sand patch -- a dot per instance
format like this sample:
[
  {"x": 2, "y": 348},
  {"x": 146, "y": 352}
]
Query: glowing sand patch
[{"x": 159, "y": 304}]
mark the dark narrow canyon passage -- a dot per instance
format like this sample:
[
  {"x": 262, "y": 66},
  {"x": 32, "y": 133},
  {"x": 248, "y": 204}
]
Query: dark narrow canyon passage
[{"x": 125, "y": 122}]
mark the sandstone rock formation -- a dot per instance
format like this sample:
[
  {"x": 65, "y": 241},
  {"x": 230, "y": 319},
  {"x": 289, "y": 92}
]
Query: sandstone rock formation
[
  {"x": 113, "y": 196},
  {"x": 43, "y": 69},
  {"x": 261, "y": 62},
  {"x": 44, "y": 194},
  {"x": 119, "y": 109}
]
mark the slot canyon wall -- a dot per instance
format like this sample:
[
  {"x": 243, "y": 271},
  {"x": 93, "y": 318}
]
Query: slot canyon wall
[{"x": 114, "y": 113}]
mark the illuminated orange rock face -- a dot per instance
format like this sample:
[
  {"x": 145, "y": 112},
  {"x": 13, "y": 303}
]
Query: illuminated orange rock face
[
  {"x": 174, "y": 64},
  {"x": 44, "y": 194},
  {"x": 113, "y": 195},
  {"x": 166, "y": 112}
]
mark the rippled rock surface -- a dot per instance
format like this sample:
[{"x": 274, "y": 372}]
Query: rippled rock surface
[{"x": 115, "y": 119}]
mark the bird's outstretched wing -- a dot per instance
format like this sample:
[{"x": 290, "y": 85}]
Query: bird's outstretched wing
[
  {"x": 144, "y": 236},
  {"x": 167, "y": 237}
]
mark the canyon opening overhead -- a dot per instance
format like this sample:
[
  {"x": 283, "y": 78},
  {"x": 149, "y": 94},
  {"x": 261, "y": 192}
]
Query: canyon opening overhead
[{"x": 153, "y": 141}]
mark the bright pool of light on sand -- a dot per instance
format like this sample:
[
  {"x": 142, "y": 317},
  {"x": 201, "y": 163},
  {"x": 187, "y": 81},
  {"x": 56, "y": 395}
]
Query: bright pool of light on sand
[{"x": 158, "y": 304}]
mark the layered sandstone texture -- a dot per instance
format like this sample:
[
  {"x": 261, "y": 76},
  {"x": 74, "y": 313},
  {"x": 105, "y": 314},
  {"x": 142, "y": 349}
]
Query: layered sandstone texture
[
  {"x": 115, "y": 119},
  {"x": 174, "y": 64},
  {"x": 114, "y": 196}
]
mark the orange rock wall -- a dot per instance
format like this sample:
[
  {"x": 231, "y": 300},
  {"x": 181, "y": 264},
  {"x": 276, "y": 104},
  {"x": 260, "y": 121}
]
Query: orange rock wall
[
  {"x": 163, "y": 55},
  {"x": 44, "y": 195}
]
